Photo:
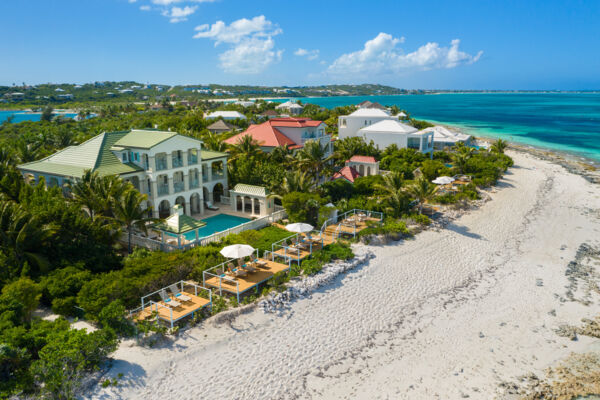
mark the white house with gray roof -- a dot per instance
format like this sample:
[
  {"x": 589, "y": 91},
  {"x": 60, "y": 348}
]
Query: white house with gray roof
[{"x": 170, "y": 168}]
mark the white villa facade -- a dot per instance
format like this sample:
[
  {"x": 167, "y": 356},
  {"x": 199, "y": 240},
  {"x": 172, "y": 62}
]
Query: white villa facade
[
  {"x": 170, "y": 168},
  {"x": 387, "y": 132},
  {"x": 226, "y": 115},
  {"x": 349, "y": 125}
]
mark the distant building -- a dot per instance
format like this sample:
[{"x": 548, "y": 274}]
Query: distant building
[
  {"x": 348, "y": 125},
  {"x": 226, "y": 115},
  {"x": 66, "y": 96},
  {"x": 269, "y": 114},
  {"x": 368, "y": 104},
  {"x": 220, "y": 126},
  {"x": 388, "y": 132},
  {"x": 244, "y": 103},
  {"x": 59, "y": 90},
  {"x": 356, "y": 167},
  {"x": 292, "y": 108},
  {"x": 444, "y": 137},
  {"x": 293, "y": 132}
]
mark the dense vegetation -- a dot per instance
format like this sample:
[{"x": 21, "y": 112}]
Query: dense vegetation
[{"x": 63, "y": 253}]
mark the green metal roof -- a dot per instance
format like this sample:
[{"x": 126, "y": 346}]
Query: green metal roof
[
  {"x": 93, "y": 154},
  {"x": 209, "y": 155},
  {"x": 143, "y": 139}
]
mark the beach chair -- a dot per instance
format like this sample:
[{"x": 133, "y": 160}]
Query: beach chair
[
  {"x": 210, "y": 206},
  {"x": 177, "y": 293},
  {"x": 167, "y": 300}
]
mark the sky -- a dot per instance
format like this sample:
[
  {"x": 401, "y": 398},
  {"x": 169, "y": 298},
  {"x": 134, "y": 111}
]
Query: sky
[{"x": 479, "y": 44}]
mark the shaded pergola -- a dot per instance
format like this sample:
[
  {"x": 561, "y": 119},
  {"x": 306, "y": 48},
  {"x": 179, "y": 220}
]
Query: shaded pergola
[{"x": 177, "y": 225}]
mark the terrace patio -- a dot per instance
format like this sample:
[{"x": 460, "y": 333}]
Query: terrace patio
[
  {"x": 196, "y": 298},
  {"x": 265, "y": 269}
]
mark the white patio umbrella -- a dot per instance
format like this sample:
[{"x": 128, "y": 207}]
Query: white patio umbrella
[
  {"x": 443, "y": 180},
  {"x": 237, "y": 251},
  {"x": 299, "y": 227}
]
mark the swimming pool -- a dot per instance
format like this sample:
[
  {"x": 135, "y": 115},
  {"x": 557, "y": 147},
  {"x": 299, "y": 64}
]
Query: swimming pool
[{"x": 214, "y": 224}]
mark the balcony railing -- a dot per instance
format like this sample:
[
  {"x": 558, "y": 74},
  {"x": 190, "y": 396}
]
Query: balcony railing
[
  {"x": 205, "y": 177},
  {"x": 163, "y": 189},
  {"x": 177, "y": 162},
  {"x": 192, "y": 159},
  {"x": 194, "y": 184},
  {"x": 217, "y": 175},
  {"x": 161, "y": 165},
  {"x": 178, "y": 187}
]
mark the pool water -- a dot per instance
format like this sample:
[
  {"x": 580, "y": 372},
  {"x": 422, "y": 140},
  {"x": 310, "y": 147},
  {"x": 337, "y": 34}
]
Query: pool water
[{"x": 216, "y": 223}]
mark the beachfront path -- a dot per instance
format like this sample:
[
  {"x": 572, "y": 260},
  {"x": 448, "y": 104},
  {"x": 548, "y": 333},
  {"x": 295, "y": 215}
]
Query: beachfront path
[{"x": 446, "y": 315}]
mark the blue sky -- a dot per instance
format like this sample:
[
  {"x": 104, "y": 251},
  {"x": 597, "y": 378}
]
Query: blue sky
[{"x": 410, "y": 44}]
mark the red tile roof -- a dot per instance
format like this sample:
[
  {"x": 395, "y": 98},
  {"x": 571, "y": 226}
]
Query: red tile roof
[
  {"x": 348, "y": 173},
  {"x": 363, "y": 159},
  {"x": 267, "y": 134}
]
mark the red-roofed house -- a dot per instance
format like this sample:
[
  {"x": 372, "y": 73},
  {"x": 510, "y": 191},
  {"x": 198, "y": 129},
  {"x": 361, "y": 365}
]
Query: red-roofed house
[
  {"x": 358, "y": 166},
  {"x": 348, "y": 173},
  {"x": 293, "y": 132}
]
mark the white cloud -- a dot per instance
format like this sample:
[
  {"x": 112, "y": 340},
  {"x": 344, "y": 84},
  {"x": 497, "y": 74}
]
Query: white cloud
[
  {"x": 169, "y": 2},
  {"x": 252, "y": 48},
  {"x": 381, "y": 56},
  {"x": 178, "y": 14},
  {"x": 132, "y": 1},
  {"x": 309, "y": 54},
  {"x": 145, "y": 8}
]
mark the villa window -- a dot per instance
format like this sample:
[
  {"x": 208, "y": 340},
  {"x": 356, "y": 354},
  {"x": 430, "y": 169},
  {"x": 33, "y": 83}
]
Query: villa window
[
  {"x": 414, "y": 143},
  {"x": 124, "y": 157},
  {"x": 343, "y": 122}
]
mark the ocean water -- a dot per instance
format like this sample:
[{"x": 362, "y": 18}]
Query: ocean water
[
  {"x": 568, "y": 122},
  {"x": 20, "y": 116}
]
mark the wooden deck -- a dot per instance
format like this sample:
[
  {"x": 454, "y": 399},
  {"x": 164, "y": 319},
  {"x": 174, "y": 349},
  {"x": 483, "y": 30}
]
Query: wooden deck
[
  {"x": 187, "y": 307},
  {"x": 247, "y": 282},
  {"x": 349, "y": 227}
]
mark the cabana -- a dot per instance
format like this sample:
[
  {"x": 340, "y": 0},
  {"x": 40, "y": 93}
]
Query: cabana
[
  {"x": 299, "y": 246},
  {"x": 175, "y": 227},
  {"x": 174, "y": 302},
  {"x": 238, "y": 279},
  {"x": 349, "y": 223}
]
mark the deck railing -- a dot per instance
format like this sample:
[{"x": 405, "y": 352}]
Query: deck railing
[{"x": 339, "y": 221}]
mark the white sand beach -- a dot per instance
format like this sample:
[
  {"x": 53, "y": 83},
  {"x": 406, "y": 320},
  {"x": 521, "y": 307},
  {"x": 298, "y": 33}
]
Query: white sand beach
[{"x": 446, "y": 315}]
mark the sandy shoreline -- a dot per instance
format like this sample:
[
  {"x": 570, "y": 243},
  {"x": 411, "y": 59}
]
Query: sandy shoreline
[{"x": 450, "y": 314}]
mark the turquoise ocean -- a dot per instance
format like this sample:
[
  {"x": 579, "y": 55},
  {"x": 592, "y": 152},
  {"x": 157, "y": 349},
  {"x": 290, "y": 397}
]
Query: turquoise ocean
[{"x": 567, "y": 122}]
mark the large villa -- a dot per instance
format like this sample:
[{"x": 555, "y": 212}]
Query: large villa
[{"x": 170, "y": 168}]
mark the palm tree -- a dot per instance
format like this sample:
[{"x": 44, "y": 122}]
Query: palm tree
[
  {"x": 128, "y": 213},
  {"x": 23, "y": 235},
  {"x": 499, "y": 146},
  {"x": 293, "y": 181},
  {"x": 393, "y": 193},
  {"x": 282, "y": 155},
  {"x": 246, "y": 147},
  {"x": 85, "y": 194},
  {"x": 313, "y": 158},
  {"x": 461, "y": 156},
  {"x": 422, "y": 190},
  {"x": 214, "y": 143}
]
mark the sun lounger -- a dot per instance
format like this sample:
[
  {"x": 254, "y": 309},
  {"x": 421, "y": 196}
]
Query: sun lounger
[
  {"x": 260, "y": 263},
  {"x": 210, "y": 206},
  {"x": 249, "y": 267},
  {"x": 177, "y": 293},
  {"x": 167, "y": 300}
]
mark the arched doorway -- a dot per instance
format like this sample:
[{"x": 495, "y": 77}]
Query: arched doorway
[
  {"x": 164, "y": 209},
  {"x": 218, "y": 192},
  {"x": 368, "y": 171},
  {"x": 361, "y": 170},
  {"x": 195, "y": 203},
  {"x": 181, "y": 201}
]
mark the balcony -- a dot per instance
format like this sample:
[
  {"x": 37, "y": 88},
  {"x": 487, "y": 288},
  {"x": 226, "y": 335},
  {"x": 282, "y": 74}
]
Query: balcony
[
  {"x": 177, "y": 162},
  {"x": 192, "y": 159},
  {"x": 217, "y": 175},
  {"x": 161, "y": 165},
  {"x": 163, "y": 190},
  {"x": 178, "y": 187},
  {"x": 194, "y": 184},
  {"x": 205, "y": 177}
]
